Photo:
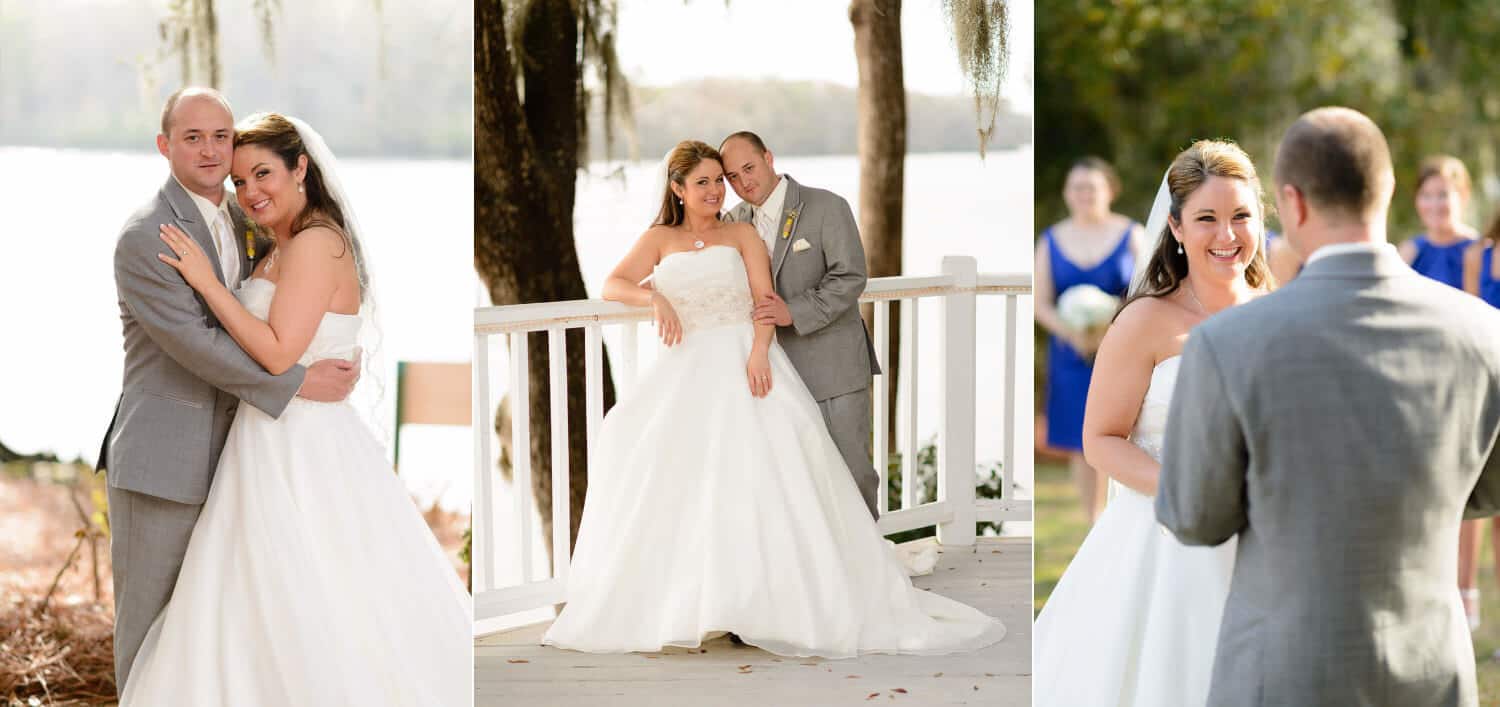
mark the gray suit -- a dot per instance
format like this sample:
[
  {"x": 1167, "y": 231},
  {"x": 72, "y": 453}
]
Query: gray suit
[
  {"x": 1342, "y": 427},
  {"x": 827, "y": 341},
  {"x": 184, "y": 376}
]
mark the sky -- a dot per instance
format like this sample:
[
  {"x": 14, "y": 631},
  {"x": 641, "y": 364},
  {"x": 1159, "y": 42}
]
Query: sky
[{"x": 662, "y": 42}]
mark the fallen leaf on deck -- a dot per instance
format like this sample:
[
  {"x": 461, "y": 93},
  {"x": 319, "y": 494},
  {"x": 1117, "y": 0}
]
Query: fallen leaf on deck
[
  {"x": 937, "y": 675},
  {"x": 517, "y": 660},
  {"x": 872, "y": 696},
  {"x": 850, "y": 677},
  {"x": 900, "y": 690}
]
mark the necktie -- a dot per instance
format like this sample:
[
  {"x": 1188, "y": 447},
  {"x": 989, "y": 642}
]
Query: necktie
[
  {"x": 228, "y": 253},
  {"x": 765, "y": 224}
]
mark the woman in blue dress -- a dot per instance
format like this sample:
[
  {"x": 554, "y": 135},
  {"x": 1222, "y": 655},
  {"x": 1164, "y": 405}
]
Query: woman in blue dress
[
  {"x": 1092, "y": 246},
  {"x": 1442, "y": 198},
  {"x": 1482, "y": 272},
  {"x": 1443, "y": 190}
]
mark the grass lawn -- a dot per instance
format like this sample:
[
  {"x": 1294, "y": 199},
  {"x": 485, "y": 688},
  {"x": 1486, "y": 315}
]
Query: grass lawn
[{"x": 1060, "y": 529}]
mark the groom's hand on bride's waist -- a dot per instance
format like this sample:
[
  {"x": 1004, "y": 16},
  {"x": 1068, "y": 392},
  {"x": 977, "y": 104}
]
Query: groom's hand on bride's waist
[{"x": 330, "y": 380}]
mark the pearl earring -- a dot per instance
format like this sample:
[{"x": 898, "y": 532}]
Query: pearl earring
[
  {"x": 299, "y": 187},
  {"x": 1179, "y": 247}
]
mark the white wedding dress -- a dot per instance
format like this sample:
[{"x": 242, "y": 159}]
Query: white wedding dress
[
  {"x": 1134, "y": 621},
  {"x": 710, "y": 510},
  {"x": 311, "y": 578}
]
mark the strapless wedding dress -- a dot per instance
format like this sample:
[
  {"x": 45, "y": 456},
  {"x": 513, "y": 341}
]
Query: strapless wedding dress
[
  {"x": 311, "y": 578},
  {"x": 1134, "y": 621},
  {"x": 710, "y": 510}
]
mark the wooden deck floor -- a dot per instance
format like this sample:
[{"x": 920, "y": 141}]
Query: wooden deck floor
[{"x": 510, "y": 668}]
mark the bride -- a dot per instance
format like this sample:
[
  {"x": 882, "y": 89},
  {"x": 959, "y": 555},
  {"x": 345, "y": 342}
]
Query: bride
[
  {"x": 310, "y": 579},
  {"x": 717, "y": 500},
  {"x": 1135, "y": 618}
]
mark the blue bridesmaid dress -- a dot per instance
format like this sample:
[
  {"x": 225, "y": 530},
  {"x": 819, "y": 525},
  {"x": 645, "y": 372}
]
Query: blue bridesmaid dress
[
  {"x": 1068, "y": 372},
  {"x": 1489, "y": 287},
  {"x": 1444, "y": 263}
]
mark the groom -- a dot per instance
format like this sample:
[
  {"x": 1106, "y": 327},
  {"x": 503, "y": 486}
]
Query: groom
[
  {"x": 1341, "y": 426},
  {"x": 184, "y": 375},
  {"x": 818, "y": 268}
]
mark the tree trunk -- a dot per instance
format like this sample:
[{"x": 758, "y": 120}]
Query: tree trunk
[
  {"x": 882, "y": 158},
  {"x": 210, "y": 28},
  {"x": 524, "y": 166}
]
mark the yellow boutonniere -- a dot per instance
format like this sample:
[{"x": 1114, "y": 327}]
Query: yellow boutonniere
[
  {"x": 786, "y": 230},
  {"x": 250, "y": 243}
]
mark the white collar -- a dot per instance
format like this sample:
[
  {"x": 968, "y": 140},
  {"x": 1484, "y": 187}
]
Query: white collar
[
  {"x": 777, "y": 198},
  {"x": 208, "y": 209},
  {"x": 1333, "y": 249}
]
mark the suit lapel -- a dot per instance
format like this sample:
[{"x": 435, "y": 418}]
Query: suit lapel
[
  {"x": 191, "y": 222},
  {"x": 786, "y": 226}
]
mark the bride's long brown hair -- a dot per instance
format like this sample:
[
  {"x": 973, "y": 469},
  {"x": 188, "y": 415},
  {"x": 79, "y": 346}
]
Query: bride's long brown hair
[{"x": 1167, "y": 268}]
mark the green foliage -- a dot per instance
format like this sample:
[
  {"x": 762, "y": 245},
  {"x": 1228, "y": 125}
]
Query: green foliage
[
  {"x": 1136, "y": 81},
  {"x": 989, "y": 485}
]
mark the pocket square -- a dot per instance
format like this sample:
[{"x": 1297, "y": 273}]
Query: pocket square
[{"x": 800, "y": 245}]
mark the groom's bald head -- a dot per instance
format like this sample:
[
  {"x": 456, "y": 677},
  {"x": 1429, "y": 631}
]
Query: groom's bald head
[{"x": 1339, "y": 161}]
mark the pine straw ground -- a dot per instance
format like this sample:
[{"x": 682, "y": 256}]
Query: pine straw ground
[{"x": 58, "y": 649}]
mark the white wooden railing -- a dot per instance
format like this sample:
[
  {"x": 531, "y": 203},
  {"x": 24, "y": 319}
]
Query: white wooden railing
[{"x": 955, "y": 511}]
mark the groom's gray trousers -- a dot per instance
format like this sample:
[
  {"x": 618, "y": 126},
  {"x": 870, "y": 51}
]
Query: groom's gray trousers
[
  {"x": 848, "y": 420},
  {"x": 183, "y": 378}
]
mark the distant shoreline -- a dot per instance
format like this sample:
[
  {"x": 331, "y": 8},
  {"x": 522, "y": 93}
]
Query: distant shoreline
[{"x": 135, "y": 152}]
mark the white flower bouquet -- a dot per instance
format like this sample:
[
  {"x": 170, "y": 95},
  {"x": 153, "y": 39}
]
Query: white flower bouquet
[{"x": 1087, "y": 309}]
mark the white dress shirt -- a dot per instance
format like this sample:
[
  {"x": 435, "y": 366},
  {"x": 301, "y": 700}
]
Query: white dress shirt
[
  {"x": 766, "y": 215},
  {"x": 220, "y": 228}
]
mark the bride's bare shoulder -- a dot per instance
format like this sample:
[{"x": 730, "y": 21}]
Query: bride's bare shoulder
[
  {"x": 1147, "y": 325},
  {"x": 743, "y": 236}
]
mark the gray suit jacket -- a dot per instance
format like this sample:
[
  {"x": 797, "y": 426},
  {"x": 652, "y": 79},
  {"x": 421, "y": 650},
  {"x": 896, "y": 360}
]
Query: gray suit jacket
[
  {"x": 1342, "y": 427},
  {"x": 184, "y": 375},
  {"x": 827, "y": 341}
]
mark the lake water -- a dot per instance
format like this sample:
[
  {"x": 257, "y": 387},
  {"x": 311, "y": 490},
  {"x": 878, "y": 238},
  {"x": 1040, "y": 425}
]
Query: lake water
[
  {"x": 955, "y": 204},
  {"x": 61, "y": 346}
]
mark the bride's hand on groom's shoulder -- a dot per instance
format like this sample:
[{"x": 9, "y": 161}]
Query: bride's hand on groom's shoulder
[
  {"x": 668, "y": 326},
  {"x": 191, "y": 261}
]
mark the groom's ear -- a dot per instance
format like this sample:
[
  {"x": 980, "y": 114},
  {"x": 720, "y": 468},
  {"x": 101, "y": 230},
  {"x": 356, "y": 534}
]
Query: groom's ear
[
  {"x": 161, "y": 144},
  {"x": 1294, "y": 207}
]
